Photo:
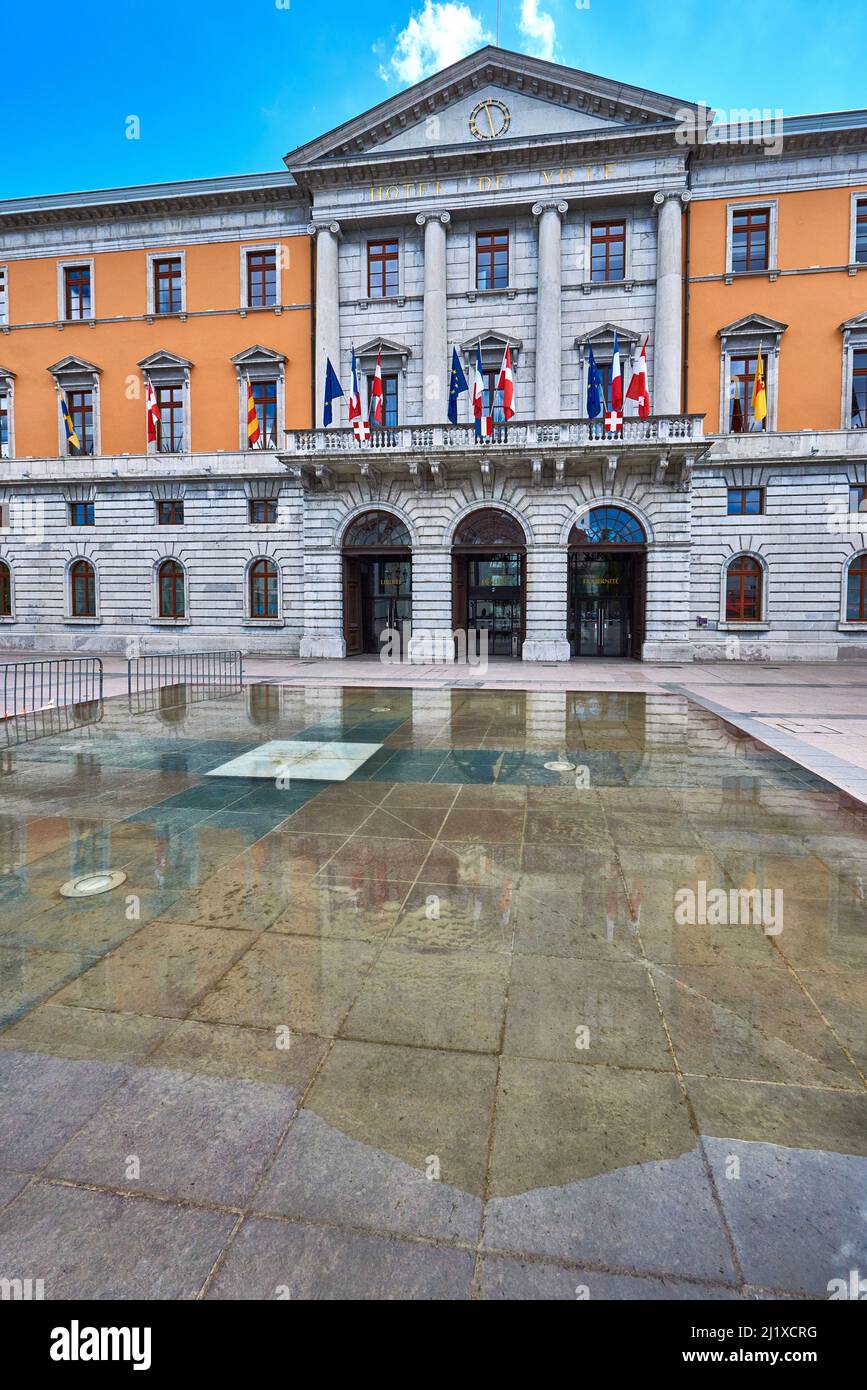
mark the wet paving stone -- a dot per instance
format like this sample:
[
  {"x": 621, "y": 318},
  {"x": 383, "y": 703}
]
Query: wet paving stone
[{"x": 439, "y": 1029}]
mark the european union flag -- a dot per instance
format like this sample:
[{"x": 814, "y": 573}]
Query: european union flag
[
  {"x": 457, "y": 386},
  {"x": 333, "y": 389},
  {"x": 594, "y": 389}
]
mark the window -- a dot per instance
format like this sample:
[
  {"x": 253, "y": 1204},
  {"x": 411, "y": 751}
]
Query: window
[
  {"x": 858, "y": 497},
  {"x": 265, "y": 397},
  {"x": 82, "y": 585},
  {"x": 5, "y": 590},
  {"x": 608, "y": 251},
  {"x": 742, "y": 376},
  {"x": 170, "y": 584},
  {"x": 492, "y": 260},
  {"x": 81, "y": 514},
  {"x": 608, "y": 526},
  {"x": 4, "y": 295},
  {"x": 383, "y": 261},
  {"x": 4, "y": 425},
  {"x": 263, "y": 589},
  {"x": 389, "y": 401},
  {"x": 492, "y": 399},
  {"x": 80, "y": 406},
  {"x": 76, "y": 292},
  {"x": 856, "y": 590},
  {"x": 170, "y": 426},
  {"x": 751, "y": 233},
  {"x": 744, "y": 590},
  {"x": 168, "y": 284},
  {"x": 262, "y": 512},
  {"x": 261, "y": 279},
  {"x": 170, "y": 512},
  {"x": 858, "y": 412},
  {"x": 745, "y": 501},
  {"x": 861, "y": 231}
]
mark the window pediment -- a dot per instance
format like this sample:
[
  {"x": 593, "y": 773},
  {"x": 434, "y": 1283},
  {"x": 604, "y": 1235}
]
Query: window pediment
[
  {"x": 753, "y": 326},
  {"x": 72, "y": 368}
]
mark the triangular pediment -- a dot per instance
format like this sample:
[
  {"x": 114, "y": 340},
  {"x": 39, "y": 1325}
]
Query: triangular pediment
[
  {"x": 605, "y": 334},
  {"x": 490, "y": 97},
  {"x": 74, "y": 366},
  {"x": 491, "y": 338},
  {"x": 257, "y": 356},
  {"x": 161, "y": 359},
  {"x": 859, "y": 322},
  {"x": 387, "y": 346},
  {"x": 753, "y": 324}
]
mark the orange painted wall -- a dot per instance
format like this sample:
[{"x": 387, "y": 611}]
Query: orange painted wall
[
  {"x": 213, "y": 278},
  {"x": 813, "y": 230}
]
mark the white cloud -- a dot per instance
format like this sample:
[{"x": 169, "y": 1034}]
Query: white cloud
[
  {"x": 440, "y": 35},
  {"x": 538, "y": 29}
]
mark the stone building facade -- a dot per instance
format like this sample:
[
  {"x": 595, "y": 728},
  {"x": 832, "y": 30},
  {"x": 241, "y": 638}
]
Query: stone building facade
[{"x": 504, "y": 202}]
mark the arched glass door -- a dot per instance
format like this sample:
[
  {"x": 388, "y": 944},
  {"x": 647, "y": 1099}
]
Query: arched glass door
[
  {"x": 377, "y": 580},
  {"x": 606, "y": 584}
]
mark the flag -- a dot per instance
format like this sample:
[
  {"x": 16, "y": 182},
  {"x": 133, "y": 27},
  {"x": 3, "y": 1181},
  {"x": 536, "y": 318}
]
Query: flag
[
  {"x": 484, "y": 423},
  {"x": 375, "y": 411},
  {"x": 153, "y": 412},
  {"x": 355, "y": 394},
  {"x": 736, "y": 425},
  {"x": 506, "y": 384},
  {"x": 594, "y": 389},
  {"x": 333, "y": 389},
  {"x": 638, "y": 388},
  {"x": 457, "y": 386},
  {"x": 616, "y": 377},
  {"x": 361, "y": 430},
  {"x": 73, "y": 443},
  {"x": 760, "y": 399},
  {"x": 613, "y": 421},
  {"x": 254, "y": 432}
]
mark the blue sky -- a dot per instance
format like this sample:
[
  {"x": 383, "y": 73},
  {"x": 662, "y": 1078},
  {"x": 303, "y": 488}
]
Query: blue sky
[{"x": 223, "y": 87}]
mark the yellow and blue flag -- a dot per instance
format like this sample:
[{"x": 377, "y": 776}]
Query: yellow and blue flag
[
  {"x": 457, "y": 386},
  {"x": 73, "y": 443}
]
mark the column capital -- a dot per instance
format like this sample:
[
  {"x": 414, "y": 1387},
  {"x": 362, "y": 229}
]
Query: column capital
[
  {"x": 553, "y": 204},
  {"x": 682, "y": 195},
  {"x": 444, "y": 217},
  {"x": 314, "y": 228}
]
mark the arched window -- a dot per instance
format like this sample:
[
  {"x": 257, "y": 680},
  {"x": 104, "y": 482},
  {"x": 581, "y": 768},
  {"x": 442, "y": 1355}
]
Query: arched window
[
  {"x": 380, "y": 529},
  {"x": 491, "y": 528},
  {"x": 171, "y": 587},
  {"x": 744, "y": 590},
  {"x": 856, "y": 590},
  {"x": 5, "y": 590},
  {"x": 264, "y": 589},
  {"x": 608, "y": 526},
  {"x": 82, "y": 590}
]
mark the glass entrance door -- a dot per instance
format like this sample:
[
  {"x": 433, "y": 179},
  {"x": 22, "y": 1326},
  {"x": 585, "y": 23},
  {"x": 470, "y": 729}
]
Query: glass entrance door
[
  {"x": 602, "y": 600},
  {"x": 495, "y": 586},
  {"x": 386, "y": 597}
]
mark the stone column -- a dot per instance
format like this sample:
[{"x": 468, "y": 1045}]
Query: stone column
[
  {"x": 546, "y": 576},
  {"x": 327, "y": 310},
  {"x": 665, "y": 393},
  {"x": 436, "y": 362},
  {"x": 549, "y": 341}
]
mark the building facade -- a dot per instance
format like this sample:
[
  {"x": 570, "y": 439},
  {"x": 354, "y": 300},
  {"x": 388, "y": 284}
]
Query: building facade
[{"x": 506, "y": 202}]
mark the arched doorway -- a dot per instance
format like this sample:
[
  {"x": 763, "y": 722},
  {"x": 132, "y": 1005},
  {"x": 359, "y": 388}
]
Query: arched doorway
[
  {"x": 488, "y": 580},
  {"x": 607, "y": 549},
  {"x": 377, "y": 579}
]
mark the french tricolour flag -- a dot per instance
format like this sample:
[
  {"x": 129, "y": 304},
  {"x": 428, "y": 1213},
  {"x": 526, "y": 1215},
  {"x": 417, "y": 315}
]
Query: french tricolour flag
[
  {"x": 616, "y": 378},
  {"x": 506, "y": 384},
  {"x": 484, "y": 423}
]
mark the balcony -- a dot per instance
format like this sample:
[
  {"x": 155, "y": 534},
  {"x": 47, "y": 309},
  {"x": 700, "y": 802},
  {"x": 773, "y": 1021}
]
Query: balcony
[{"x": 315, "y": 456}]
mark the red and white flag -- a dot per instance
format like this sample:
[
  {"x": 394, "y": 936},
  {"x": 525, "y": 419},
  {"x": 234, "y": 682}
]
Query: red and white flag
[
  {"x": 638, "y": 388},
  {"x": 153, "y": 412},
  {"x": 506, "y": 384},
  {"x": 361, "y": 430},
  {"x": 375, "y": 412},
  {"x": 616, "y": 378}
]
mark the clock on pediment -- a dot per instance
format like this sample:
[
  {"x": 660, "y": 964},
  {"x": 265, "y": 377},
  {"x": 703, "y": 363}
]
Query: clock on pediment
[{"x": 489, "y": 119}]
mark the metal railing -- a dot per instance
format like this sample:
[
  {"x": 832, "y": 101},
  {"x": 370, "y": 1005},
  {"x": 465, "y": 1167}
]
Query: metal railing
[
  {"x": 31, "y": 687},
  {"x": 216, "y": 671},
  {"x": 51, "y": 696}
]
